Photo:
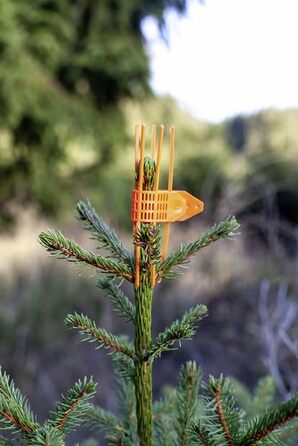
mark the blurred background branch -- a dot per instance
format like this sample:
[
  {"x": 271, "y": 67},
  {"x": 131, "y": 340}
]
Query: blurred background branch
[{"x": 277, "y": 326}]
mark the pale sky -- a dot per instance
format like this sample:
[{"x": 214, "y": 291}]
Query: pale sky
[{"x": 228, "y": 57}]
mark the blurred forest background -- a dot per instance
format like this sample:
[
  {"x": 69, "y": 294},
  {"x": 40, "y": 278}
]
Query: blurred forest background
[{"x": 74, "y": 80}]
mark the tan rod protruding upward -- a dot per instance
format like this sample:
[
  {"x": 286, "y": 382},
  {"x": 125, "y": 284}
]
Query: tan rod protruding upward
[
  {"x": 140, "y": 189},
  {"x": 170, "y": 187},
  {"x": 156, "y": 186}
]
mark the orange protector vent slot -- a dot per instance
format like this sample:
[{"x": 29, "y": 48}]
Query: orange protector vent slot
[
  {"x": 154, "y": 206},
  {"x": 164, "y": 206}
]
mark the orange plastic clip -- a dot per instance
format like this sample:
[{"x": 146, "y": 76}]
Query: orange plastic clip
[
  {"x": 158, "y": 206},
  {"x": 164, "y": 206}
]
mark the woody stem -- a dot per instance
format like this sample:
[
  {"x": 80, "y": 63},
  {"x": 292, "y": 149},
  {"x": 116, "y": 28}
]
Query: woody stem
[{"x": 143, "y": 366}]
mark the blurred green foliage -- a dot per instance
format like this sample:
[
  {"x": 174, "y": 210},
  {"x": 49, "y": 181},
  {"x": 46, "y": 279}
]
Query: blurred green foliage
[{"x": 65, "y": 67}]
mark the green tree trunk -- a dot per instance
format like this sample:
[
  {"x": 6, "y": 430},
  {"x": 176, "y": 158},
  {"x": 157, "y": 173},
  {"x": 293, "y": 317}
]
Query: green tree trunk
[{"x": 143, "y": 367}]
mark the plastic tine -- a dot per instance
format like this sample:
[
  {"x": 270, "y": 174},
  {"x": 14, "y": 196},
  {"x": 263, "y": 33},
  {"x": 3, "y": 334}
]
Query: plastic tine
[
  {"x": 137, "y": 155},
  {"x": 156, "y": 185},
  {"x": 140, "y": 189},
  {"x": 170, "y": 187}
]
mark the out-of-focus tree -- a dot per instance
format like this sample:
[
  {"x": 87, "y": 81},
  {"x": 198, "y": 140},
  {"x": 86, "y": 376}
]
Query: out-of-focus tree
[
  {"x": 237, "y": 132},
  {"x": 65, "y": 66}
]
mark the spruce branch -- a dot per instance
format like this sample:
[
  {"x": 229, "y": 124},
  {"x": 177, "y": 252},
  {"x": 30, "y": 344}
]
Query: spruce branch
[
  {"x": 264, "y": 395},
  {"x": 148, "y": 238},
  {"x": 288, "y": 435},
  {"x": 148, "y": 173},
  {"x": 107, "y": 422},
  {"x": 124, "y": 366},
  {"x": 127, "y": 408},
  {"x": 164, "y": 405},
  {"x": 163, "y": 418},
  {"x": 260, "y": 427},
  {"x": 16, "y": 416},
  {"x": 69, "y": 412},
  {"x": 223, "y": 405},
  {"x": 46, "y": 436},
  {"x": 64, "y": 248},
  {"x": 162, "y": 431},
  {"x": 123, "y": 431},
  {"x": 100, "y": 335},
  {"x": 187, "y": 401},
  {"x": 117, "y": 431},
  {"x": 122, "y": 304},
  {"x": 223, "y": 230},
  {"x": 242, "y": 395},
  {"x": 221, "y": 416},
  {"x": 15, "y": 413},
  {"x": 179, "y": 330},
  {"x": 102, "y": 233},
  {"x": 199, "y": 434}
]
